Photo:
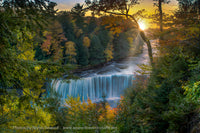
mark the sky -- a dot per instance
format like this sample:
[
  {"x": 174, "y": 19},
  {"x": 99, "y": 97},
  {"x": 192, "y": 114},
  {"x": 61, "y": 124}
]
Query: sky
[
  {"x": 66, "y": 4},
  {"x": 144, "y": 4}
]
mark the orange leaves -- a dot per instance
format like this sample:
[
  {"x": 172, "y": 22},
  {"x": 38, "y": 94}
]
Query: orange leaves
[
  {"x": 52, "y": 42},
  {"x": 51, "y": 45},
  {"x": 47, "y": 43},
  {"x": 86, "y": 42},
  {"x": 112, "y": 23},
  {"x": 117, "y": 24},
  {"x": 89, "y": 113}
]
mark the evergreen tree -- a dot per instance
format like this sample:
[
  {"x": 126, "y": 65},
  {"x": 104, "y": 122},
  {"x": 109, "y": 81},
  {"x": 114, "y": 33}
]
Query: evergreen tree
[
  {"x": 66, "y": 20},
  {"x": 121, "y": 46},
  {"x": 78, "y": 14},
  {"x": 83, "y": 55},
  {"x": 92, "y": 24},
  {"x": 96, "y": 51},
  {"x": 105, "y": 37}
]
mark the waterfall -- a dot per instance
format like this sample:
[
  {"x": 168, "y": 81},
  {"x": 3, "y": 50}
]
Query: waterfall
[
  {"x": 108, "y": 81},
  {"x": 94, "y": 88}
]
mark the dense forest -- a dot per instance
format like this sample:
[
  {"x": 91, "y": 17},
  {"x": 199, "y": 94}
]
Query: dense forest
[
  {"x": 38, "y": 43},
  {"x": 73, "y": 38}
]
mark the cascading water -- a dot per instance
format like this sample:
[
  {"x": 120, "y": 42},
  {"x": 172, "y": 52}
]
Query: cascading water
[
  {"x": 94, "y": 88},
  {"x": 109, "y": 81}
]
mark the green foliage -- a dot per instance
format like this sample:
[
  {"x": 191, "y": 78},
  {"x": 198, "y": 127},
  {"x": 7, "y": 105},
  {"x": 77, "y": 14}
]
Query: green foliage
[
  {"x": 121, "y": 46},
  {"x": 68, "y": 25},
  {"x": 192, "y": 87},
  {"x": 192, "y": 91},
  {"x": 22, "y": 76},
  {"x": 88, "y": 115},
  {"x": 78, "y": 14},
  {"x": 83, "y": 55},
  {"x": 105, "y": 37},
  {"x": 109, "y": 52},
  {"x": 70, "y": 52},
  {"x": 21, "y": 113},
  {"x": 96, "y": 51},
  {"x": 81, "y": 30},
  {"x": 169, "y": 102},
  {"x": 92, "y": 24},
  {"x": 130, "y": 116},
  {"x": 86, "y": 42}
]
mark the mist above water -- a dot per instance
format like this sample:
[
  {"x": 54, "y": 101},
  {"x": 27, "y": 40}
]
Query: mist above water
[{"x": 107, "y": 82}]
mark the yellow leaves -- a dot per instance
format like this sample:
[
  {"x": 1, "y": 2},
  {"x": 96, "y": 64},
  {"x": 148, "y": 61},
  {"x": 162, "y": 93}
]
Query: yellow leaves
[
  {"x": 130, "y": 40},
  {"x": 109, "y": 52},
  {"x": 25, "y": 45},
  {"x": 117, "y": 24},
  {"x": 47, "y": 42},
  {"x": 58, "y": 53},
  {"x": 74, "y": 104},
  {"x": 107, "y": 115},
  {"x": 86, "y": 42},
  {"x": 22, "y": 115},
  {"x": 196, "y": 85},
  {"x": 70, "y": 51},
  {"x": 78, "y": 32},
  {"x": 23, "y": 76},
  {"x": 116, "y": 30},
  {"x": 144, "y": 69},
  {"x": 37, "y": 68},
  {"x": 88, "y": 112},
  {"x": 110, "y": 114},
  {"x": 45, "y": 117},
  {"x": 46, "y": 33},
  {"x": 6, "y": 109},
  {"x": 192, "y": 89},
  {"x": 193, "y": 31},
  {"x": 27, "y": 55},
  {"x": 70, "y": 48},
  {"x": 52, "y": 43},
  {"x": 112, "y": 23},
  {"x": 8, "y": 103},
  {"x": 180, "y": 33}
]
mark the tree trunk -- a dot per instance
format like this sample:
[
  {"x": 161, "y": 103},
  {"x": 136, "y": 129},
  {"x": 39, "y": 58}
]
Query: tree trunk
[
  {"x": 160, "y": 15},
  {"x": 160, "y": 18},
  {"x": 146, "y": 40}
]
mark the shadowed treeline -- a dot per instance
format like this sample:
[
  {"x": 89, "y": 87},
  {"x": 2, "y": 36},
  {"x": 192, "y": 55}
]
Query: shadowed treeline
[{"x": 38, "y": 44}]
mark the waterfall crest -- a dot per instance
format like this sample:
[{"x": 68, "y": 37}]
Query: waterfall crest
[
  {"x": 109, "y": 81},
  {"x": 94, "y": 88}
]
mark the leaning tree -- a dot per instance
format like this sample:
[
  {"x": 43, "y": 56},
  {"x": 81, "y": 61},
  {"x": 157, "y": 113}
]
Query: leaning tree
[{"x": 120, "y": 8}]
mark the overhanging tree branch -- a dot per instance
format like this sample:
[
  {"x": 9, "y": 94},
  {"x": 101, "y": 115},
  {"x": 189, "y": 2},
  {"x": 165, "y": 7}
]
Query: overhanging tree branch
[{"x": 94, "y": 7}]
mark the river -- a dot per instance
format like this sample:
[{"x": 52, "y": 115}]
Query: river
[{"x": 108, "y": 81}]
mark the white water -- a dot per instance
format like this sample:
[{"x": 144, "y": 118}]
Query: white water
[
  {"x": 109, "y": 81},
  {"x": 96, "y": 87}
]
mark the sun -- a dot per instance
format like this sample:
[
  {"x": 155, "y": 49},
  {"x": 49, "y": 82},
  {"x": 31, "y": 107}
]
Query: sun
[{"x": 142, "y": 25}]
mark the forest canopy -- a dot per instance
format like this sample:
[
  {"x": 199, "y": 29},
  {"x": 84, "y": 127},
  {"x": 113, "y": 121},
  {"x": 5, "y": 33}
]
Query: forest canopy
[{"x": 39, "y": 43}]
